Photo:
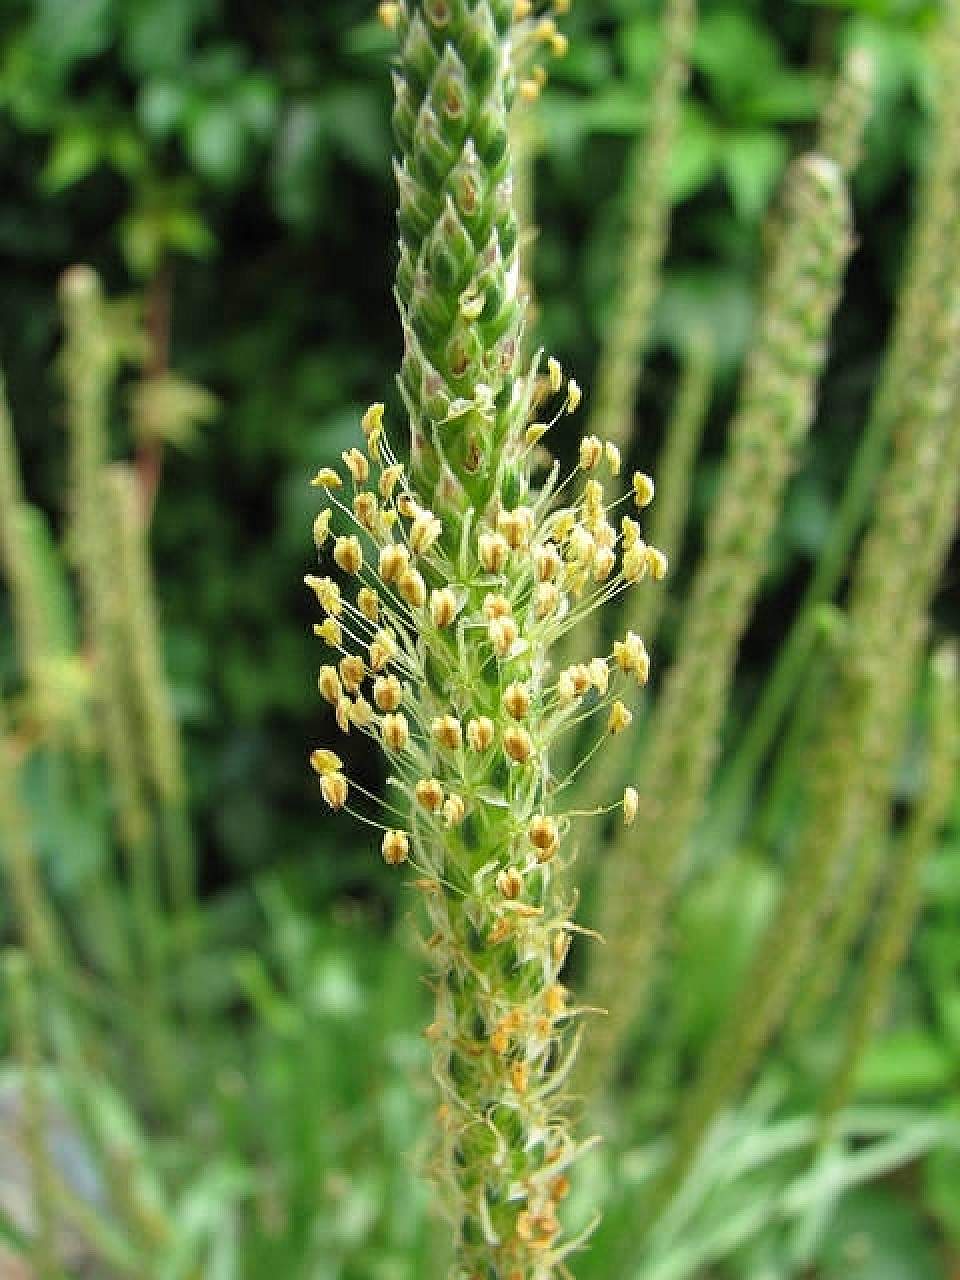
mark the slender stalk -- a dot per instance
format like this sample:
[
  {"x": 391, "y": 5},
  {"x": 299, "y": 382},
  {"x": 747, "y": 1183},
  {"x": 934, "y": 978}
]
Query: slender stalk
[
  {"x": 648, "y": 217},
  {"x": 34, "y": 1127},
  {"x": 895, "y": 578},
  {"x": 922, "y": 291},
  {"x": 149, "y": 693},
  {"x": 19, "y": 860},
  {"x": 776, "y": 408},
  {"x": 901, "y": 904},
  {"x": 467, "y": 573}
]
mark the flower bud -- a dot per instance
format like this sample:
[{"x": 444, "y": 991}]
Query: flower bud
[
  {"x": 554, "y": 369},
  {"x": 361, "y": 713},
  {"x": 546, "y": 600},
  {"x": 327, "y": 478},
  {"x": 510, "y": 883},
  {"x": 383, "y": 649},
  {"x": 603, "y": 564},
  {"x": 547, "y": 562},
  {"x": 591, "y": 452},
  {"x": 612, "y": 454},
  {"x": 496, "y": 606},
  {"x": 343, "y": 709},
  {"x": 599, "y": 675},
  {"x": 454, "y": 810},
  {"x": 658, "y": 564},
  {"x": 321, "y": 528},
  {"x": 574, "y": 396},
  {"x": 631, "y": 656},
  {"x": 424, "y": 532},
  {"x": 366, "y": 509},
  {"x": 330, "y": 631},
  {"x": 368, "y": 602},
  {"x": 516, "y": 527},
  {"x": 327, "y": 593},
  {"x": 390, "y": 477}
]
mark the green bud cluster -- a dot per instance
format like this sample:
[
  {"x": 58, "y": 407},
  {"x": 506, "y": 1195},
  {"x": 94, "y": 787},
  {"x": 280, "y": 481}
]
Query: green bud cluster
[{"x": 458, "y": 280}]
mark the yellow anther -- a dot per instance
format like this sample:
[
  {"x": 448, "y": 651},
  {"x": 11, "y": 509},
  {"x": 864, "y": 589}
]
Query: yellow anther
[
  {"x": 517, "y": 744},
  {"x": 396, "y": 731},
  {"x": 644, "y": 489},
  {"x": 323, "y": 761},
  {"x": 348, "y": 555},
  {"x": 480, "y": 733},
  {"x": 620, "y": 718},
  {"x": 395, "y": 848},
  {"x": 334, "y": 789}
]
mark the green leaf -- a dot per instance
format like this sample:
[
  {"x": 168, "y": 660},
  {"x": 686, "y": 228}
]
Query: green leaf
[
  {"x": 216, "y": 143},
  {"x": 752, "y": 165},
  {"x": 75, "y": 153},
  {"x": 905, "y": 1064}
]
